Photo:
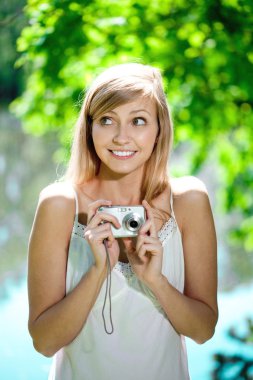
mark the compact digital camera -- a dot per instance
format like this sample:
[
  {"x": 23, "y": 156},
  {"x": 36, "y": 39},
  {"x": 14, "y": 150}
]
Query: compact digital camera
[{"x": 131, "y": 218}]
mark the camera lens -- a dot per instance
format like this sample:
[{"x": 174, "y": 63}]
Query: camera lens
[{"x": 133, "y": 224}]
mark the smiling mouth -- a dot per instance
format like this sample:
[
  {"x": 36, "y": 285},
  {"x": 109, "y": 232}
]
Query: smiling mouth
[{"x": 123, "y": 154}]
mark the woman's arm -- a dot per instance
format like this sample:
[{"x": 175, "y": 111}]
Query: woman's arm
[
  {"x": 194, "y": 313},
  {"x": 55, "y": 318}
]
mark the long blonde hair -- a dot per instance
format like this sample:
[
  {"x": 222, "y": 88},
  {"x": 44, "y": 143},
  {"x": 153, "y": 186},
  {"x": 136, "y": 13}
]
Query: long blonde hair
[{"x": 116, "y": 86}]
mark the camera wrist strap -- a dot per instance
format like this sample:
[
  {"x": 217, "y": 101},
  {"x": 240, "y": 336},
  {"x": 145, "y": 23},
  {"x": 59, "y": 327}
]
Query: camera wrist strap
[{"x": 108, "y": 291}]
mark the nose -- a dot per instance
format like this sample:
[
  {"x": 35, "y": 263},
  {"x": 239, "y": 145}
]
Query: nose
[{"x": 121, "y": 136}]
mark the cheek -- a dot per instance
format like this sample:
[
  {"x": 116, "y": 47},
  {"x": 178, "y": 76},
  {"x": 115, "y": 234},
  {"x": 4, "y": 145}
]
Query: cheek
[
  {"x": 98, "y": 129},
  {"x": 99, "y": 135},
  {"x": 95, "y": 132},
  {"x": 97, "y": 139},
  {"x": 148, "y": 138}
]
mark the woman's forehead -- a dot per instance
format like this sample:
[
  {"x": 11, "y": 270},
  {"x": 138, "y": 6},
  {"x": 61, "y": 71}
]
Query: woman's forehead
[{"x": 139, "y": 104}]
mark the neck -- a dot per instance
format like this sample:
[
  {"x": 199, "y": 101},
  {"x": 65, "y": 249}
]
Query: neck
[
  {"x": 126, "y": 191},
  {"x": 120, "y": 188}
]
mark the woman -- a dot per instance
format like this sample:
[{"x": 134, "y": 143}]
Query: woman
[{"x": 163, "y": 281}]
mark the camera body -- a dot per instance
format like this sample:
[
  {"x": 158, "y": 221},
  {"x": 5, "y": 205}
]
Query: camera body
[{"x": 131, "y": 218}]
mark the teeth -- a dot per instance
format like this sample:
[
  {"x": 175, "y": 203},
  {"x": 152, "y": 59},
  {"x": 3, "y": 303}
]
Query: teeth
[{"x": 122, "y": 154}]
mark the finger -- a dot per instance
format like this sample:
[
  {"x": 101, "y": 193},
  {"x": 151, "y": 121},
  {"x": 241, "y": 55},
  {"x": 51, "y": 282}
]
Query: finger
[
  {"x": 151, "y": 240},
  {"x": 145, "y": 240},
  {"x": 148, "y": 242},
  {"x": 99, "y": 228},
  {"x": 142, "y": 253},
  {"x": 145, "y": 227},
  {"x": 108, "y": 242},
  {"x": 137, "y": 257},
  {"x": 98, "y": 235},
  {"x": 101, "y": 217},
  {"x": 152, "y": 249},
  {"x": 140, "y": 242},
  {"x": 92, "y": 207},
  {"x": 150, "y": 216}
]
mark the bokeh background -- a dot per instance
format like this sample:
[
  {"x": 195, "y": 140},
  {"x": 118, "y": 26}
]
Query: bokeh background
[{"x": 49, "y": 53}]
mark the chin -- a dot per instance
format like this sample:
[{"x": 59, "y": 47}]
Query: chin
[{"x": 119, "y": 171}]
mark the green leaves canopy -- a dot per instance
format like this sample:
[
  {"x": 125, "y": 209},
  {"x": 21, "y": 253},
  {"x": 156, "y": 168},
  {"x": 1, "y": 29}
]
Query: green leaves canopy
[{"x": 204, "y": 49}]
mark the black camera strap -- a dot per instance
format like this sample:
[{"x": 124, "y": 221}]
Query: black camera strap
[{"x": 108, "y": 291}]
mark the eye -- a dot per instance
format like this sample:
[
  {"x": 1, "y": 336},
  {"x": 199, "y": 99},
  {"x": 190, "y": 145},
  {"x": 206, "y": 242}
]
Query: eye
[
  {"x": 105, "y": 120},
  {"x": 139, "y": 121}
]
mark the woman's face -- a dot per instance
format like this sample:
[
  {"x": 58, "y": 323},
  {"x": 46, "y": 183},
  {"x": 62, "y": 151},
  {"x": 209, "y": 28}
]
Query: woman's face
[{"x": 124, "y": 138}]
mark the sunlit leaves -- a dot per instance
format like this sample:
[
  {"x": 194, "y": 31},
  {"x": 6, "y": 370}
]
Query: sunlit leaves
[{"x": 204, "y": 49}]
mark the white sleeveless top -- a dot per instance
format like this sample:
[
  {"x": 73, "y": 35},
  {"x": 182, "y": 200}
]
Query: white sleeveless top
[{"x": 144, "y": 344}]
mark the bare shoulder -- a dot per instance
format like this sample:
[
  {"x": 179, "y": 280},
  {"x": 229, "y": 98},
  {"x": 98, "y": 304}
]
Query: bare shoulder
[
  {"x": 53, "y": 222},
  {"x": 57, "y": 205},
  {"x": 187, "y": 185},
  {"x": 58, "y": 194},
  {"x": 190, "y": 198}
]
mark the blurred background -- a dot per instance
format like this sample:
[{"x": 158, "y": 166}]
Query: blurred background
[{"x": 50, "y": 51}]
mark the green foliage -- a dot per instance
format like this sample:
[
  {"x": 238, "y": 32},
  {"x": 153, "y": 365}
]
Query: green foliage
[
  {"x": 203, "y": 47},
  {"x": 12, "y": 21}
]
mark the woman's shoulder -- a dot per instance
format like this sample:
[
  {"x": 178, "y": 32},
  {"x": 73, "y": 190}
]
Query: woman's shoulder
[
  {"x": 58, "y": 195},
  {"x": 190, "y": 196},
  {"x": 62, "y": 190},
  {"x": 55, "y": 213},
  {"x": 187, "y": 186},
  {"x": 185, "y": 190}
]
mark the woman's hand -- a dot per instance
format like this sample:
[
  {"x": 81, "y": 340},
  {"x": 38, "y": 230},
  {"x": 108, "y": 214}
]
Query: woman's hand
[
  {"x": 146, "y": 257},
  {"x": 98, "y": 229}
]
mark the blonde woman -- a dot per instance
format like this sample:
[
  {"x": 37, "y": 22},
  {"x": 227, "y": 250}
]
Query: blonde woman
[{"x": 112, "y": 307}]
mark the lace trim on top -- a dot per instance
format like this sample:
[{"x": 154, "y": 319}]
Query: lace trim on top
[
  {"x": 78, "y": 229},
  {"x": 166, "y": 230},
  {"x": 125, "y": 268}
]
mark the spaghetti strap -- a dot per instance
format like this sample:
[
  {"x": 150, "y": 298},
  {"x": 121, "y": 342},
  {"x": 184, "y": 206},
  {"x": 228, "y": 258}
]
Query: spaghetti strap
[
  {"x": 171, "y": 203},
  {"x": 76, "y": 198}
]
